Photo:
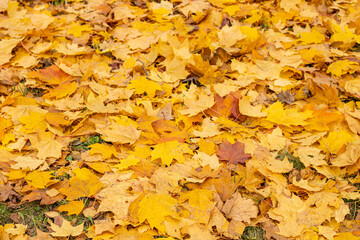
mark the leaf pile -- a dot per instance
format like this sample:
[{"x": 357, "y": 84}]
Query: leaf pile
[{"x": 193, "y": 119}]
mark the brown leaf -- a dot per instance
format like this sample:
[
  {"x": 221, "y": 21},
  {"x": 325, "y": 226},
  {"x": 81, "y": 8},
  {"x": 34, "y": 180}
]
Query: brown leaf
[
  {"x": 6, "y": 192},
  {"x": 40, "y": 194},
  {"x": 286, "y": 97},
  {"x": 234, "y": 153}
]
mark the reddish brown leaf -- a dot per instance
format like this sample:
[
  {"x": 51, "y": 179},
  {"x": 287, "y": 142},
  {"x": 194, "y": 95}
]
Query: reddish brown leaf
[
  {"x": 222, "y": 106},
  {"x": 52, "y": 75},
  {"x": 235, "y": 106},
  {"x": 40, "y": 194},
  {"x": 234, "y": 153},
  {"x": 7, "y": 192}
]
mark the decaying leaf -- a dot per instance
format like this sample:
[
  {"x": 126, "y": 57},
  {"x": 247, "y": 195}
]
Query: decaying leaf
[{"x": 234, "y": 153}]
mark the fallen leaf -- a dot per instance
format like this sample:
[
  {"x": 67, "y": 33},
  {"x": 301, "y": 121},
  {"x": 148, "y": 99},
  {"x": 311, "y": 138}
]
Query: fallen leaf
[
  {"x": 234, "y": 153},
  {"x": 154, "y": 207},
  {"x": 168, "y": 151},
  {"x": 66, "y": 229},
  {"x": 239, "y": 208},
  {"x": 72, "y": 207}
]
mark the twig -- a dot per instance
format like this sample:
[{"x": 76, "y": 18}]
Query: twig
[{"x": 143, "y": 66}]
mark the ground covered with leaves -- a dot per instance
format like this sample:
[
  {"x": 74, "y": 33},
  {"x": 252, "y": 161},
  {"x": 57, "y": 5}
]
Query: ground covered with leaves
[{"x": 193, "y": 119}]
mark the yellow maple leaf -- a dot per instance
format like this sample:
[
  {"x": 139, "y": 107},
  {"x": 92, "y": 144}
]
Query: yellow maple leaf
[
  {"x": 16, "y": 174},
  {"x": 335, "y": 140},
  {"x": 72, "y": 207},
  {"x": 277, "y": 114},
  {"x": 276, "y": 140},
  {"x": 240, "y": 208},
  {"x": 247, "y": 109},
  {"x": 96, "y": 104},
  {"x": 229, "y": 36},
  {"x": 70, "y": 49},
  {"x": 206, "y": 147},
  {"x": 205, "y": 159},
  {"x": 57, "y": 119},
  {"x": 34, "y": 122},
  {"x": 288, "y": 5},
  {"x": 200, "y": 204},
  {"x": 104, "y": 149},
  {"x": 342, "y": 36},
  {"x": 310, "y": 156},
  {"x": 39, "y": 179},
  {"x": 66, "y": 229},
  {"x": 24, "y": 59},
  {"x": 119, "y": 132},
  {"x": 154, "y": 207},
  {"x": 342, "y": 67},
  {"x": 84, "y": 184},
  {"x": 314, "y": 36},
  {"x": 131, "y": 160},
  {"x": 168, "y": 151},
  {"x": 63, "y": 90},
  {"x": 196, "y": 102},
  {"x": 143, "y": 85},
  {"x": 100, "y": 167},
  {"x": 27, "y": 162},
  {"x": 13, "y": 229},
  {"x": 209, "y": 129},
  {"x": 346, "y": 236},
  {"x": 6, "y": 46},
  {"x": 77, "y": 30},
  {"x": 48, "y": 148},
  {"x": 289, "y": 209}
]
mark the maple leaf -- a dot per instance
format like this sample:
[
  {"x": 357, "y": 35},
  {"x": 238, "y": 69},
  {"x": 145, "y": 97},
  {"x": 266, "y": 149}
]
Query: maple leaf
[
  {"x": 200, "y": 204},
  {"x": 335, "y": 140},
  {"x": 154, "y": 207},
  {"x": 117, "y": 199},
  {"x": 48, "y": 148},
  {"x": 52, "y": 75},
  {"x": 312, "y": 37},
  {"x": 131, "y": 160},
  {"x": 84, "y": 184},
  {"x": 168, "y": 151},
  {"x": 96, "y": 104},
  {"x": 68, "y": 48},
  {"x": 72, "y": 207},
  {"x": 247, "y": 109},
  {"x": 119, "y": 132},
  {"x": 342, "y": 67},
  {"x": 76, "y": 29},
  {"x": 277, "y": 114},
  {"x": 39, "y": 179},
  {"x": 66, "y": 229},
  {"x": 143, "y": 85},
  {"x": 196, "y": 103},
  {"x": 24, "y": 162},
  {"x": 234, "y": 153},
  {"x": 222, "y": 107},
  {"x": 105, "y": 150},
  {"x": 239, "y": 208},
  {"x": 57, "y": 119},
  {"x": 62, "y": 90},
  {"x": 100, "y": 167},
  {"x": 209, "y": 129},
  {"x": 6, "y": 46},
  {"x": 33, "y": 122}
]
